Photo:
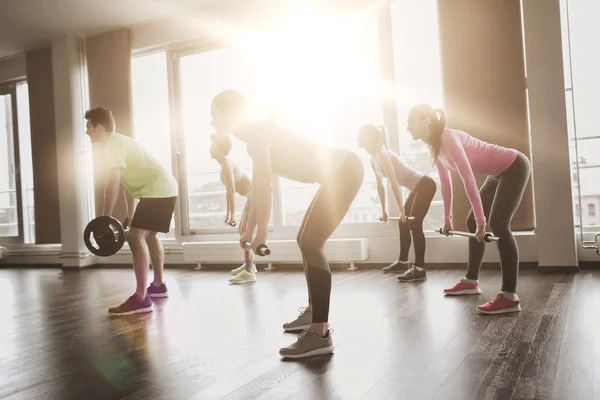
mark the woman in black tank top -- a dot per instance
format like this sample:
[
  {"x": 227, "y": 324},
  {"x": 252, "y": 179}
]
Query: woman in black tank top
[{"x": 283, "y": 153}]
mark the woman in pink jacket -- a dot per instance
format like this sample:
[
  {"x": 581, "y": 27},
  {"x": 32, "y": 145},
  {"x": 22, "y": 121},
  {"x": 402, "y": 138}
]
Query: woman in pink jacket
[{"x": 507, "y": 173}]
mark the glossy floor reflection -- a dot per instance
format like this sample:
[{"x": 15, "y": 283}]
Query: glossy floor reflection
[{"x": 210, "y": 340}]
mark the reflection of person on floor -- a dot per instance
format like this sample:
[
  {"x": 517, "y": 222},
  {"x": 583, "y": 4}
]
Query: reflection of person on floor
[{"x": 236, "y": 181}]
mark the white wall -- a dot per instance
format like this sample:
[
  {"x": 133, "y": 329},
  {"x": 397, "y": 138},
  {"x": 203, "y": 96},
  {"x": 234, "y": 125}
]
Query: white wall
[{"x": 12, "y": 68}]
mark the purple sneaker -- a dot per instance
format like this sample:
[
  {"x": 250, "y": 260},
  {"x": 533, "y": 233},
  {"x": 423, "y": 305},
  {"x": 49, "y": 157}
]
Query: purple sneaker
[
  {"x": 158, "y": 292},
  {"x": 132, "y": 305}
]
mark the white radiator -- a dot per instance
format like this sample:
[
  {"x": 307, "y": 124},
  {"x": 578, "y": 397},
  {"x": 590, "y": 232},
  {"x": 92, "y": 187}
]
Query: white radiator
[{"x": 282, "y": 251}]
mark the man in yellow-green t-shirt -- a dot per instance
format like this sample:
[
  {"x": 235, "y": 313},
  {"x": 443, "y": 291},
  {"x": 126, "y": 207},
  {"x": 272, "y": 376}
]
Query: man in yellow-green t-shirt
[{"x": 143, "y": 178}]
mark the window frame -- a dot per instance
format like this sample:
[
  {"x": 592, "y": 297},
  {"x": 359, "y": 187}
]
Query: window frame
[{"x": 10, "y": 89}]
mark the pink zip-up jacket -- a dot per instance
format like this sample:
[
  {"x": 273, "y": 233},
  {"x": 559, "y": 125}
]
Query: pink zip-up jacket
[{"x": 468, "y": 156}]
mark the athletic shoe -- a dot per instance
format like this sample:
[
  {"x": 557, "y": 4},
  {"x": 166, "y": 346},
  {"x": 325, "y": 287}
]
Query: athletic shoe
[
  {"x": 413, "y": 275},
  {"x": 301, "y": 323},
  {"x": 242, "y": 268},
  {"x": 463, "y": 287},
  {"x": 396, "y": 267},
  {"x": 132, "y": 305},
  {"x": 243, "y": 277},
  {"x": 500, "y": 305},
  {"x": 158, "y": 292},
  {"x": 308, "y": 344}
]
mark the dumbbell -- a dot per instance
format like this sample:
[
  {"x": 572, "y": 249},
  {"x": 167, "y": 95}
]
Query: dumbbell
[
  {"x": 487, "y": 237},
  {"x": 109, "y": 235},
  {"x": 230, "y": 223},
  {"x": 397, "y": 218},
  {"x": 262, "y": 250}
]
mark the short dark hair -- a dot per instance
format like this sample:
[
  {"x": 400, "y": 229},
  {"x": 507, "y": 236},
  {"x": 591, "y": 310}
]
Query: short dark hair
[
  {"x": 230, "y": 101},
  {"x": 101, "y": 116},
  {"x": 223, "y": 142}
]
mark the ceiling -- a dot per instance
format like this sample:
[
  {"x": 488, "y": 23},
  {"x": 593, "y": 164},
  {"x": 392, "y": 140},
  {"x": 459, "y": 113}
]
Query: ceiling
[{"x": 31, "y": 24}]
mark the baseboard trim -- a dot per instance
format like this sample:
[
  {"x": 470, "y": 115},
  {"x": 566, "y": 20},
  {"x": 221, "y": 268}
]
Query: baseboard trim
[{"x": 559, "y": 269}]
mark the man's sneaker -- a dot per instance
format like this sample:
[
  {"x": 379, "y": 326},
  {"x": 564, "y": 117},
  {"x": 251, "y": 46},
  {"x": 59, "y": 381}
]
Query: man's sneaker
[
  {"x": 463, "y": 287},
  {"x": 242, "y": 268},
  {"x": 500, "y": 305},
  {"x": 413, "y": 275},
  {"x": 156, "y": 292},
  {"x": 396, "y": 267},
  {"x": 301, "y": 323},
  {"x": 243, "y": 277},
  {"x": 308, "y": 344},
  {"x": 132, "y": 305}
]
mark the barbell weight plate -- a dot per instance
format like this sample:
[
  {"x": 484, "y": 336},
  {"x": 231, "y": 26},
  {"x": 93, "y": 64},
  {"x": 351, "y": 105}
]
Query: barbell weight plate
[{"x": 108, "y": 234}]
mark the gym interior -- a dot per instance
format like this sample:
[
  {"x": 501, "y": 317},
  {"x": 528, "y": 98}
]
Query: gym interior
[{"x": 516, "y": 73}]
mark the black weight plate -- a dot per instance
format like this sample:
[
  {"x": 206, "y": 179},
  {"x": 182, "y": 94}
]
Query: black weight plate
[{"x": 108, "y": 235}]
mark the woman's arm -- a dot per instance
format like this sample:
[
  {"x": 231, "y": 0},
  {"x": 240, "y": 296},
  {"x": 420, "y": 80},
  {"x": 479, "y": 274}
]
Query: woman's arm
[
  {"x": 260, "y": 203},
  {"x": 454, "y": 149},
  {"x": 446, "y": 188},
  {"x": 384, "y": 159},
  {"x": 380, "y": 189},
  {"x": 230, "y": 187}
]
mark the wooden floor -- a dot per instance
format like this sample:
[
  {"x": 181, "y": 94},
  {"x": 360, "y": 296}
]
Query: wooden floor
[{"x": 210, "y": 340}]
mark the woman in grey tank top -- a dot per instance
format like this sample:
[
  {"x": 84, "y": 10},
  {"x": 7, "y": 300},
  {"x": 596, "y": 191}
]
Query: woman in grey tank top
[
  {"x": 387, "y": 164},
  {"x": 338, "y": 172}
]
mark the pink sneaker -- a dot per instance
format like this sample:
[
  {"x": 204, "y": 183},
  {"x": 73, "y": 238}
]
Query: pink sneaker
[
  {"x": 500, "y": 305},
  {"x": 463, "y": 287}
]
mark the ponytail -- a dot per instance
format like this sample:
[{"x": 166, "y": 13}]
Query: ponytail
[
  {"x": 384, "y": 138},
  {"x": 438, "y": 123}
]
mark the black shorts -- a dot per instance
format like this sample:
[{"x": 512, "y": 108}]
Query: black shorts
[{"x": 154, "y": 214}]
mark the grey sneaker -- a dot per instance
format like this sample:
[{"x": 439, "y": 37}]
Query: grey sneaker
[
  {"x": 301, "y": 323},
  {"x": 413, "y": 275},
  {"x": 308, "y": 344},
  {"x": 396, "y": 267}
]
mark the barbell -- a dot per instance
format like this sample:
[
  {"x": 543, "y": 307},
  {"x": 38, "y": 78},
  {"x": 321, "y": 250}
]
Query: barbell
[
  {"x": 108, "y": 235},
  {"x": 487, "y": 237},
  {"x": 396, "y": 219}
]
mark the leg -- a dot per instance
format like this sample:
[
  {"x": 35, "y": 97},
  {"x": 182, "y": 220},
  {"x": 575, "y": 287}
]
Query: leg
[
  {"x": 140, "y": 302},
  {"x": 401, "y": 264},
  {"x": 330, "y": 206},
  {"x": 425, "y": 191},
  {"x": 476, "y": 249},
  {"x": 304, "y": 319},
  {"x": 141, "y": 259},
  {"x": 508, "y": 197},
  {"x": 404, "y": 228},
  {"x": 510, "y": 191},
  {"x": 327, "y": 211},
  {"x": 247, "y": 272},
  {"x": 157, "y": 257}
]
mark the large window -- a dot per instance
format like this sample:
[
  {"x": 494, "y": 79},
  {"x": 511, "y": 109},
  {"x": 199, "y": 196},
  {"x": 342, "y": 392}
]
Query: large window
[
  {"x": 151, "y": 122},
  {"x": 418, "y": 75},
  {"x": 318, "y": 73},
  {"x": 16, "y": 176},
  {"x": 582, "y": 85}
]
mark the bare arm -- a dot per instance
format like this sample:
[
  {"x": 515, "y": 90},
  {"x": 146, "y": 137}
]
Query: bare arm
[
  {"x": 391, "y": 175},
  {"x": 260, "y": 203},
  {"x": 380, "y": 188},
  {"x": 230, "y": 187}
]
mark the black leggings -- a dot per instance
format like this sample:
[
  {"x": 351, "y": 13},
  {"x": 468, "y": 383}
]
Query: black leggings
[
  {"x": 325, "y": 213},
  {"x": 416, "y": 205},
  {"x": 501, "y": 197}
]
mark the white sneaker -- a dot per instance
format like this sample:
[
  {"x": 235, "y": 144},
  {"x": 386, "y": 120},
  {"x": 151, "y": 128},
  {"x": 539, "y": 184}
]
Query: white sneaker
[
  {"x": 243, "y": 277},
  {"x": 242, "y": 268}
]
